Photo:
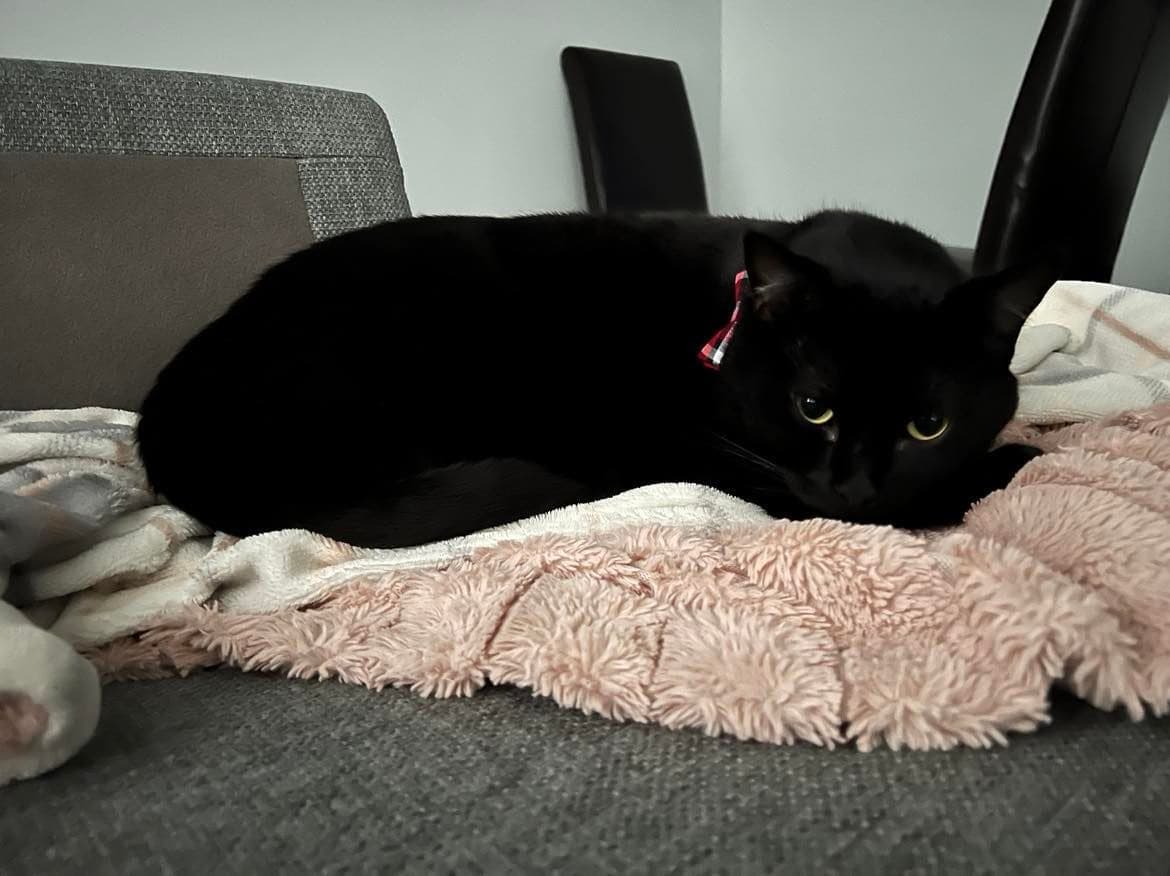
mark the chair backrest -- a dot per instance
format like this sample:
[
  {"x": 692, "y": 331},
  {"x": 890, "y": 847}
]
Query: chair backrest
[
  {"x": 135, "y": 205},
  {"x": 637, "y": 139},
  {"x": 1077, "y": 141}
]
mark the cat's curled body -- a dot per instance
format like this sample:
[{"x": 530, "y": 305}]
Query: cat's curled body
[{"x": 425, "y": 378}]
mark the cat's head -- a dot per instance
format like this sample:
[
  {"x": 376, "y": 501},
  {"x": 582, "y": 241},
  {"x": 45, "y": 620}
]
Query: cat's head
[{"x": 867, "y": 368}]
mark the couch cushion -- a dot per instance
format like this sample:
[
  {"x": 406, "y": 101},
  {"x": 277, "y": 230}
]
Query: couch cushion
[
  {"x": 237, "y": 773},
  {"x": 108, "y": 263}
]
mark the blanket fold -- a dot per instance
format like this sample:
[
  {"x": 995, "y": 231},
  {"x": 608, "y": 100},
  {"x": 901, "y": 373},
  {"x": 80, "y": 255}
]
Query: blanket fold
[{"x": 1090, "y": 350}]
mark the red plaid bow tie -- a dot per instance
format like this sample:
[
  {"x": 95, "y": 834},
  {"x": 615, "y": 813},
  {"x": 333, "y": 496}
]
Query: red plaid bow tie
[{"x": 712, "y": 352}]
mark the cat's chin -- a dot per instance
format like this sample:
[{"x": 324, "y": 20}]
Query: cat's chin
[
  {"x": 920, "y": 515},
  {"x": 806, "y": 499}
]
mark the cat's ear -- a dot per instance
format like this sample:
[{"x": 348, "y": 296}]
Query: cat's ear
[
  {"x": 777, "y": 276},
  {"x": 998, "y": 304}
]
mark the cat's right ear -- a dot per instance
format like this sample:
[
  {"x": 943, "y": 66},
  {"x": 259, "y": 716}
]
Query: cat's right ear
[
  {"x": 995, "y": 306},
  {"x": 778, "y": 277}
]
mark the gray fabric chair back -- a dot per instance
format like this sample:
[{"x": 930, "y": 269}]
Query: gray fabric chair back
[{"x": 135, "y": 205}]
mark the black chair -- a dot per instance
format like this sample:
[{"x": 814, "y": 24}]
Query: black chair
[
  {"x": 635, "y": 132},
  {"x": 1082, "y": 126},
  {"x": 1071, "y": 160}
]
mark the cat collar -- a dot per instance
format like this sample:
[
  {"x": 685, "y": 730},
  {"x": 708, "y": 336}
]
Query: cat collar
[{"x": 711, "y": 355}]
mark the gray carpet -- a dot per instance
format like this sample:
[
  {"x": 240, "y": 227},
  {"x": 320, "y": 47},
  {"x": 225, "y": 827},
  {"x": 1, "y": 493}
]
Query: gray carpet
[{"x": 227, "y": 773}]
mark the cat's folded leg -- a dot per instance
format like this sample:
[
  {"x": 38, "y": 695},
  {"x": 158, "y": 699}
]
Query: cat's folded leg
[
  {"x": 949, "y": 503},
  {"x": 993, "y": 471},
  {"x": 1000, "y": 466}
]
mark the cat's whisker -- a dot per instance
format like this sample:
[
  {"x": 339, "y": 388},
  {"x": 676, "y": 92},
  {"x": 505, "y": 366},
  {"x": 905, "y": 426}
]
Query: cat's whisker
[
  {"x": 734, "y": 448},
  {"x": 739, "y": 450}
]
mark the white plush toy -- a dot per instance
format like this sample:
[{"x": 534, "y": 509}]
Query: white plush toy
[
  {"x": 63, "y": 475},
  {"x": 50, "y": 696}
]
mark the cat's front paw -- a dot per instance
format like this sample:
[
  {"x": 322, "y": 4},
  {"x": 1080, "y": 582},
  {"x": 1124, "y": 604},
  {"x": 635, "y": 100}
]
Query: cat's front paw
[
  {"x": 1004, "y": 463},
  {"x": 994, "y": 471}
]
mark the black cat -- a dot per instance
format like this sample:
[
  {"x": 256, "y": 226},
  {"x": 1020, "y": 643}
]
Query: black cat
[{"x": 425, "y": 378}]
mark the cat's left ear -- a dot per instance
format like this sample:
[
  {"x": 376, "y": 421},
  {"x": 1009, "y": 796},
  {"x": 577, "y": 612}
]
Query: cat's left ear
[
  {"x": 778, "y": 277},
  {"x": 998, "y": 304}
]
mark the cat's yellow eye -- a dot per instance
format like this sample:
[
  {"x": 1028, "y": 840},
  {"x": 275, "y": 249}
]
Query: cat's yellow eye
[
  {"x": 814, "y": 410},
  {"x": 927, "y": 427}
]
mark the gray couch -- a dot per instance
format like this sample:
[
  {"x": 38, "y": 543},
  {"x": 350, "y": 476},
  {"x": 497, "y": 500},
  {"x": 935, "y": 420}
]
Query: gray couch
[{"x": 133, "y": 206}]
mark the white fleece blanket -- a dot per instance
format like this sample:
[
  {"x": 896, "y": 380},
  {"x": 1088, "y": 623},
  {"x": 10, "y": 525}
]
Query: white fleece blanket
[
  {"x": 88, "y": 556},
  {"x": 101, "y": 559},
  {"x": 1092, "y": 349}
]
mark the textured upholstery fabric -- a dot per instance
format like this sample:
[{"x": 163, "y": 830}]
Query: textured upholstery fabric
[
  {"x": 157, "y": 198},
  {"x": 109, "y": 263},
  {"x": 48, "y": 106},
  {"x": 232, "y": 773},
  {"x": 345, "y": 193}
]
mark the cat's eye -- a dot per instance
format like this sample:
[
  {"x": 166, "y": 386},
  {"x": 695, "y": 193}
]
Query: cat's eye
[
  {"x": 927, "y": 427},
  {"x": 814, "y": 410}
]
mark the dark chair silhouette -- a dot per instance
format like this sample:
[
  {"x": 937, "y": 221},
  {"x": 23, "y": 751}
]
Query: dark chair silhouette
[
  {"x": 1078, "y": 137},
  {"x": 635, "y": 132},
  {"x": 1071, "y": 160}
]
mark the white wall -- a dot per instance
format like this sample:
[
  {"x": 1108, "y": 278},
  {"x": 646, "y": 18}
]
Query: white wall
[
  {"x": 473, "y": 89},
  {"x": 897, "y": 106},
  {"x": 1144, "y": 257}
]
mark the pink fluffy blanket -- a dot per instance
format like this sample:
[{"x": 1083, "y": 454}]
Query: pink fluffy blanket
[{"x": 816, "y": 630}]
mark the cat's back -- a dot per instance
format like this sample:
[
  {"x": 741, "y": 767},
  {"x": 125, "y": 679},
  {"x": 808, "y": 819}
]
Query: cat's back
[
  {"x": 560, "y": 245},
  {"x": 439, "y": 262},
  {"x": 894, "y": 262},
  {"x": 456, "y": 298},
  {"x": 445, "y": 284},
  {"x": 399, "y": 338}
]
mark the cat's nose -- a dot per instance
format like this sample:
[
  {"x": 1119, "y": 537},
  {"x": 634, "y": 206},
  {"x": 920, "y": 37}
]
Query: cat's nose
[{"x": 857, "y": 490}]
